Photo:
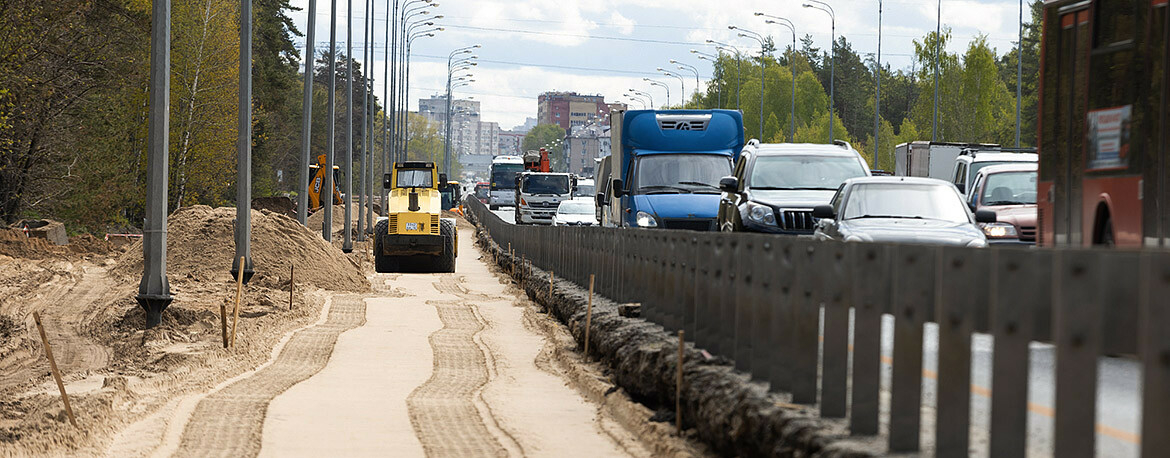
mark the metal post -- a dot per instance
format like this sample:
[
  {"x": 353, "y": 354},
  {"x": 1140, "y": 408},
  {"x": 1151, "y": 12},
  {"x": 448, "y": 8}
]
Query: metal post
[
  {"x": 832, "y": 74},
  {"x": 307, "y": 117},
  {"x": 154, "y": 293},
  {"x": 363, "y": 190},
  {"x": 347, "y": 168},
  {"x": 244, "y": 149},
  {"x": 937, "y": 55},
  {"x": 877, "y": 102},
  {"x": 1019, "y": 72},
  {"x": 447, "y": 128},
  {"x": 327, "y": 190},
  {"x": 388, "y": 81},
  {"x": 406, "y": 102}
]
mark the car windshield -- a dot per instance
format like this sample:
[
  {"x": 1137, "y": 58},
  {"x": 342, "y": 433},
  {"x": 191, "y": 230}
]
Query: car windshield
[
  {"x": 504, "y": 175},
  {"x": 804, "y": 172},
  {"x": 575, "y": 208},
  {"x": 1010, "y": 188},
  {"x": 681, "y": 173},
  {"x": 977, "y": 166},
  {"x": 414, "y": 178},
  {"x": 905, "y": 200},
  {"x": 546, "y": 184},
  {"x": 584, "y": 190}
]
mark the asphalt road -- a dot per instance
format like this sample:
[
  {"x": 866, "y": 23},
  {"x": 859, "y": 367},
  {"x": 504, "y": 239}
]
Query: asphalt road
[{"x": 1118, "y": 392}]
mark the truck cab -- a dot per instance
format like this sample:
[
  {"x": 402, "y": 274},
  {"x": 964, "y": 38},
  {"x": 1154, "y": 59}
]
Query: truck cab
[
  {"x": 666, "y": 171},
  {"x": 538, "y": 194}
]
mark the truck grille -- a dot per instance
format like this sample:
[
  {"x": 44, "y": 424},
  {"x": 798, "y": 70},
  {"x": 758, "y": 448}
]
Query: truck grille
[
  {"x": 797, "y": 221},
  {"x": 683, "y": 122},
  {"x": 1027, "y": 233},
  {"x": 689, "y": 224}
]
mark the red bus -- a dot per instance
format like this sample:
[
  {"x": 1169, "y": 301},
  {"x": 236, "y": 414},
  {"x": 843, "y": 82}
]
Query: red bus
[{"x": 1104, "y": 177}]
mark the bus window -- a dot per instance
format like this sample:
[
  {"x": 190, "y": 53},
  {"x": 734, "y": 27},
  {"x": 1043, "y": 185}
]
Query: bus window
[{"x": 1116, "y": 20}]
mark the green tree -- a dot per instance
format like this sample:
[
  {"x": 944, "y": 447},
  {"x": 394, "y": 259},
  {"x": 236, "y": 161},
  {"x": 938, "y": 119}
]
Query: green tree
[{"x": 276, "y": 95}]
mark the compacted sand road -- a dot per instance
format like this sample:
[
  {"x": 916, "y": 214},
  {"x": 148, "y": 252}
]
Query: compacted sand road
[{"x": 429, "y": 365}]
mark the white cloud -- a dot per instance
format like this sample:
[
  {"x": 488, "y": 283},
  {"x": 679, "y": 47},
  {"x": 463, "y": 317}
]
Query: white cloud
[{"x": 624, "y": 24}]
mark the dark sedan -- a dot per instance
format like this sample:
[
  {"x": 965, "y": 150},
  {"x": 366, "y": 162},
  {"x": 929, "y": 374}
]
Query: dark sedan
[{"x": 900, "y": 209}]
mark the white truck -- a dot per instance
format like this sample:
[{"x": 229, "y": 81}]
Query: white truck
[
  {"x": 930, "y": 159},
  {"x": 538, "y": 194}
]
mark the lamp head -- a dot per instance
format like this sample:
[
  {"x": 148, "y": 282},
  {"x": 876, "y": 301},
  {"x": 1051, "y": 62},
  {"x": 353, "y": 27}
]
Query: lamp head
[
  {"x": 806, "y": 5},
  {"x": 475, "y": 46},
  {"x": 758, "y": 13},
  {"x": 660, "y": 69},
  {"x": 731, "y": 27},
  {"x": 694, "y": 51},
  {"x": 673, "y": 61},
  {"x": 769, "y": 21},
  {"x": 710, "y": 40},
  {"x": 439, "y": 16}
]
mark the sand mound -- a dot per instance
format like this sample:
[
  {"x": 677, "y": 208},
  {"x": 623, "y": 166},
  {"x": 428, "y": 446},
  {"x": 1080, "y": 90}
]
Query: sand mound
[
  {"x": 15, "y": 244},
  {"x": 317, "y": 219},
  {"x": 276, "y": 204},
  {"x": 200, "y": 246}
]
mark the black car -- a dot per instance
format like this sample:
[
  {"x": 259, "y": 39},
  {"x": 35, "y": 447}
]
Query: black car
[
  {"x": 900, "y": 209},
  {"x": 774, "y": 186}
]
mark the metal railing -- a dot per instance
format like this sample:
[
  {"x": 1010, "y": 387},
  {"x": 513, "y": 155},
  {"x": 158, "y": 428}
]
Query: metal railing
[{"x": 782, "y": 308}]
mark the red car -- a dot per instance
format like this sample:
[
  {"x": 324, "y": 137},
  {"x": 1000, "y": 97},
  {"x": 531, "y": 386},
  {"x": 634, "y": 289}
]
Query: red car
[{"x": 1009, "y": 190}]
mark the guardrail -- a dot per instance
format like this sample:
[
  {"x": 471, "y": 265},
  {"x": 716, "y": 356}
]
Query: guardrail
[{"x": 760, "y": 299}]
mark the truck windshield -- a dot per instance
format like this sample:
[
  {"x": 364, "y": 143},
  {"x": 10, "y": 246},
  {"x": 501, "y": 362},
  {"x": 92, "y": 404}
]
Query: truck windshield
[
  {"x": 584, "y": 190},
  {"x": 546, "y": 184},
  {"x": 504, "y": 175},
  {"x": 482, "y": 191},
  {"x": 414, "y": 178},
  {"x": 1010, "y": 188},
  {"x": 681, "y": 173},
  {"x": 804, "y": 172}
]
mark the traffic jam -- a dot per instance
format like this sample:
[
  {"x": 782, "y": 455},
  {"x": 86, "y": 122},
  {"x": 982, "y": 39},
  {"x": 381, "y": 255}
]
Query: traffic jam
[{"x": 693, "y": 170}]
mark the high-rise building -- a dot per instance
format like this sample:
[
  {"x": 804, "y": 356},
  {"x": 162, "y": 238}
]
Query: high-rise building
[
  {"x": 568, "y": 109},
  {"x": 583, "y": 144},
  {"x": 511, "y": 142}
]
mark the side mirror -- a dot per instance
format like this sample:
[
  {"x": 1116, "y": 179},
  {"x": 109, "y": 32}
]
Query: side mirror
[
  {"x": 619, "y": 188},
  {"x": 985, "y": 216},
  {"x": 824, "y": 212},
  {"x": 443, "y": 178},
  {"x": 962, "y": 187},
  {"x": 729, "y": 184},
  {"x": 387, "y": 181},
  {"x": 599, "y": 199}
]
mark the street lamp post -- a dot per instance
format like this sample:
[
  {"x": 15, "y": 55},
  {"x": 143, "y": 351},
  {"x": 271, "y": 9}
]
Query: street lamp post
[
  {"x": 242, "y": 261},
  {"x": 817, "y": 4},
  {"x": 347, "y": 167},
  {"x": 154, "y": 292},
  {"x": 937, "y": 56},
  {"x": 690, "y": 68},
  {"x": 406, "y": 88},
  {"x": 718, "y": 87},
  {"x": 662, "y": 85},
  {"x": 681, "y": 85},
  {"x": 327, "y": 190},
  {"x": 738, "y": 63},
  {"x": 307, "y": 116},
  {"x": 644, "y": 94},
  {"x": 1019, "y": 71},
  {"x": 877, "y": 99},
  {"x": 759, "y": 38},
  {"x": 792, "y": 66},
  {"x": 447, "y": 112}
]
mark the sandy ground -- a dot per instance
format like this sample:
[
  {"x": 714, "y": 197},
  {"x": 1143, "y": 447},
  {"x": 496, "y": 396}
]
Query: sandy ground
[{"x": 425, "y": 365}]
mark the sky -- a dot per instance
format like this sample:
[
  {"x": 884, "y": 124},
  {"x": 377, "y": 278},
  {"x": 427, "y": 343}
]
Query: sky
[{"x": 607, "y": 47}]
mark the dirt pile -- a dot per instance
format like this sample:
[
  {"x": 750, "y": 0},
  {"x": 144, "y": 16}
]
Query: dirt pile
[
  {"x": 276, "y": 204},
  {"x": 200, "y": 247},
  {"x": 14, "y": 243},
  {"x": 317, "y": 219}
]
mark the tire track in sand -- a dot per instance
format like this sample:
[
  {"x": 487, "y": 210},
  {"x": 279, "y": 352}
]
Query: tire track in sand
[
  {"x": 230, "y": 421},
  {"x": 446, "y": 412}
]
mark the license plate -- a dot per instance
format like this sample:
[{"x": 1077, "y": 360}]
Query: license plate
[{"x": 412, "y": 226}]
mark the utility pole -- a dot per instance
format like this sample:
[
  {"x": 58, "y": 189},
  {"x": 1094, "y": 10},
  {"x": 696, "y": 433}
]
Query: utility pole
[
  {"x": 937, "y": 56},
  {"x": 347, "y": 168},
  {"x": 390, "y": 51},
  {"x": 307, "y": 117},
  {"x": 362, "y": 191},
  {"x": 877, "y": 102},
  {"x": 244, "y": 150},
  {"x": 154, "y": 293},
  {"x": 1019, "y": 72},
  {"x": 327, "y": 190}
]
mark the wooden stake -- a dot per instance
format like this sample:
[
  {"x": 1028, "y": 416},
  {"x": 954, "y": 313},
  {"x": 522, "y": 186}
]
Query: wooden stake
[
  {"x": 551, "y": 274},
  {"x": 523, "y": 265},
  {"x": 292, "y": 271},
  {"x": 678, "y": 386},
  {"x": 56, "y": 372},
  {"x": 239, "y": 292},
  {"x": 589, "y": 315},
  {"x": 223, "y": 321}
]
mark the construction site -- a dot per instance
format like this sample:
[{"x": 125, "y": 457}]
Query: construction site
[{"x": 325, "y": 351}]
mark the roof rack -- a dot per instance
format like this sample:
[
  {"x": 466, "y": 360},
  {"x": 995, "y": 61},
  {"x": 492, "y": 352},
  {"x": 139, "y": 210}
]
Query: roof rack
[{"x": 843, "y": 143}]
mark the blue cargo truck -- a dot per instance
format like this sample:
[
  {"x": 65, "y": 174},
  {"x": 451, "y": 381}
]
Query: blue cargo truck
[{"x": 665, "y": 168}]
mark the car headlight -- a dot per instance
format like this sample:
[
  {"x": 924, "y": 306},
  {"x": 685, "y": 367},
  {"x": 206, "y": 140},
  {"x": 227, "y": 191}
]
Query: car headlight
[
  {"x": 1000, "y": 231},
  {"x": 644, "y": 219},
  {"x": 761, "y": 214}
]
